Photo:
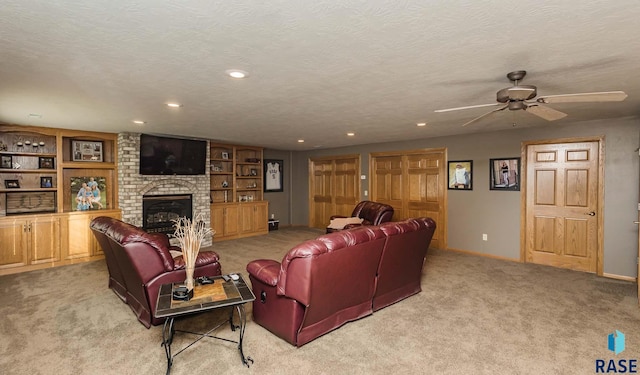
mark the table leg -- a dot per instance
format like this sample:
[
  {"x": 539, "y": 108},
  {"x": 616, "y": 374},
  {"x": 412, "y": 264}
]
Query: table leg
[
  {"x": 243, "y": 322},
  {"x": 168, "y": 330}
]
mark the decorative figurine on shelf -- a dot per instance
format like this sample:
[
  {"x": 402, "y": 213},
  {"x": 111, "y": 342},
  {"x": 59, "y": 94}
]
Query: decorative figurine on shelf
[{"x": 225, "y": 184}]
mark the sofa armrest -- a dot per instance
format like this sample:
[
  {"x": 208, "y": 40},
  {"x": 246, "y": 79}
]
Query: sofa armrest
[
  {"x": 265, "y": 270},
  {"x": 203, "y": 258}
]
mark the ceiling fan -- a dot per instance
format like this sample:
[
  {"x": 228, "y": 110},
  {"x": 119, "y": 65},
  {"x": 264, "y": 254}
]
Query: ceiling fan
[{"x": 522, "y": 97}]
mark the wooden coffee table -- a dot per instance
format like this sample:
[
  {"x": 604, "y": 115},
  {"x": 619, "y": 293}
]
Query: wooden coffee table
[{"x": 221, "y": 293}]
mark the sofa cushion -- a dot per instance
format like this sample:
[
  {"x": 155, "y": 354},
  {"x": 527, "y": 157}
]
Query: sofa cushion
[{"x": 325, "y": 244}]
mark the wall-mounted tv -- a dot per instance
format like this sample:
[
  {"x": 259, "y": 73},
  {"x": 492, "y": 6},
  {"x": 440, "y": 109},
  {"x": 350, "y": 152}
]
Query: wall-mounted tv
[{"x": 172, "y": 156}]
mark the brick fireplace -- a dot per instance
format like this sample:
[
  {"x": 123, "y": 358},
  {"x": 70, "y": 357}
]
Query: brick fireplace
[{"x": 132, "y": 186}]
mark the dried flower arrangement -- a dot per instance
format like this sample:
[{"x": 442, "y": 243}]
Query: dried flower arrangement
[{"x": 190, "y": 235}]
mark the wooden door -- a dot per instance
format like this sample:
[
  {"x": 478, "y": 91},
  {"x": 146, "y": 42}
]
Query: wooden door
[
  {"x": 414, "y": 184},
  {"x": 261, "y": 217},
  {"x": 79, "y": 237},
  {"x": 424, "y": 190},
  {"x": 563, "y": 214},
  {"x": 346, "y": 182},
  {"x": 638, "y": 258},
  {"x": 45, "y": 239},
  {"x": 13, "y": 247},
  {"x": 321, "y": 186},
  {"x": 334, "y": 188},
  {"x": 386, "y": 184}
]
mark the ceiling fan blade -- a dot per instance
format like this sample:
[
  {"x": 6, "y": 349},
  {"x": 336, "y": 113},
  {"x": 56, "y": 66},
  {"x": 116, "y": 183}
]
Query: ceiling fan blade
[
  {"x": 485, "y": 115},
  {"x": 467, "y": 107},
  {"x": 545, "y": 112},
  {"x": 588, "y": 97}
]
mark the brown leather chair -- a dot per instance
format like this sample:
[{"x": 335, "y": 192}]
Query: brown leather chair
[
  {"x": 372, "y": 213},
  {"x": 140, "y": 262}
]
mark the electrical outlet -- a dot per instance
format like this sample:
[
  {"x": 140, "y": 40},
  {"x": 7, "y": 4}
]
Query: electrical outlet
[
  {"x": 366, "y": 193},
  {"x": 484, "y": 237}
]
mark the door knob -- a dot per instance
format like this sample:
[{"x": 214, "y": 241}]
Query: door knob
[{"x": 591, "y": 213}]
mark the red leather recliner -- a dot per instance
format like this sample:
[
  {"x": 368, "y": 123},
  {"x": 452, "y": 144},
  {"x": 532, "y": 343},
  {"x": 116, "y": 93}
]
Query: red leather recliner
[
  {"x": 372, "y": 213},
  {"x": 140, "y": 262}
]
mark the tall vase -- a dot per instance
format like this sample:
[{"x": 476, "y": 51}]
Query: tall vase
[{"x": 188, "y": 282}]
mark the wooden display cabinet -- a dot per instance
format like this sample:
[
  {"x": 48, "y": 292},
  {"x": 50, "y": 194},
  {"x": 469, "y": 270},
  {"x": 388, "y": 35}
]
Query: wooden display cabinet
[
  {"x": 238, "y": 208},
  {"x": 41, "y": 223}
]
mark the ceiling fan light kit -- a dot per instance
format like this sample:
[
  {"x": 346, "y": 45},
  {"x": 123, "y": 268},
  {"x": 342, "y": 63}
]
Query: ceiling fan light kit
[{"x": 522, "y": 97}]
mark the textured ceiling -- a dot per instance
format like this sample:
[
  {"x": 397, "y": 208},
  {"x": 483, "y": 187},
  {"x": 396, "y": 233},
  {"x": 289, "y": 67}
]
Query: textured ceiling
[{"x": 318, "y": 69}]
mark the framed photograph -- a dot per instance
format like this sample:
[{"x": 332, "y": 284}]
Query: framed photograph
[
  {"x": 12, "y": 184},
  {"x": 460, "y": 175},
  {"x": 504, "y": 174},
  {"x": 46, "y": 182},
  {"x": 45, "y": 162},
  {"x": 6, "y": 162},
  {"x": 88, "y": 193},
  {"x": 272, "y": 175},
  {"x": 86, "y": 150},
  {"x": 225, "y": 155}
]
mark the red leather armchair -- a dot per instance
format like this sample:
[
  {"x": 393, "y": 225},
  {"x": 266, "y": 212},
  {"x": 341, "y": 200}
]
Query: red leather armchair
[
  {"x": 140, "y": 262},
  {"x": 372, "y": 213},
  {"x": 320, "y": 284}
]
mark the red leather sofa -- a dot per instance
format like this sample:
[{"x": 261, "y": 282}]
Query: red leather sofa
[
  {"x": 140, "y": 262},
  {"x": 372, "y": 213},
  {"x": 322, "y": 284}
]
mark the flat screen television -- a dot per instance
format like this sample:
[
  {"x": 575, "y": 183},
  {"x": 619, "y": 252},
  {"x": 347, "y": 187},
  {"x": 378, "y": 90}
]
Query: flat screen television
[{"x": 172, "y": 156}]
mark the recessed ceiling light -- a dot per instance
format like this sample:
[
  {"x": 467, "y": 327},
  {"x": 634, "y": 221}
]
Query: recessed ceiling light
[
  {"x": 351, "y": 134},
  {"x": 235, "y": 73},
  {"x": 35, "y": 115},
  {"x": 300, "y": 140},
  {"x": 174, "y": 105},
  {"x": 139, "y": 122},
  {"x": 422, "y": 124}
]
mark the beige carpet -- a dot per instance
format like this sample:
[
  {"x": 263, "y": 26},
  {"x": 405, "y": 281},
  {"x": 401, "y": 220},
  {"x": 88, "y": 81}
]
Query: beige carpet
[{"x": 474, "y": 316}]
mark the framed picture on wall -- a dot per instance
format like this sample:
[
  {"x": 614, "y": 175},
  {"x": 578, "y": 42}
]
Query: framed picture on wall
[
  {"x": 86, "y": 150},
  {"x": 460, "y": 175},
  {"x": 7, "y": 162},
  {"x": 45, "y": 162},
  {"x": 88, "y": 193},
  {"x": 46, "y": 182},
  {"x": 504, "y": 174},
  {"x": 272, "y": 175}
]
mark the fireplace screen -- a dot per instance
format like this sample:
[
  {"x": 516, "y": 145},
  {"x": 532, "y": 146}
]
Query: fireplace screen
[{"x": 158, "y": 211}]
